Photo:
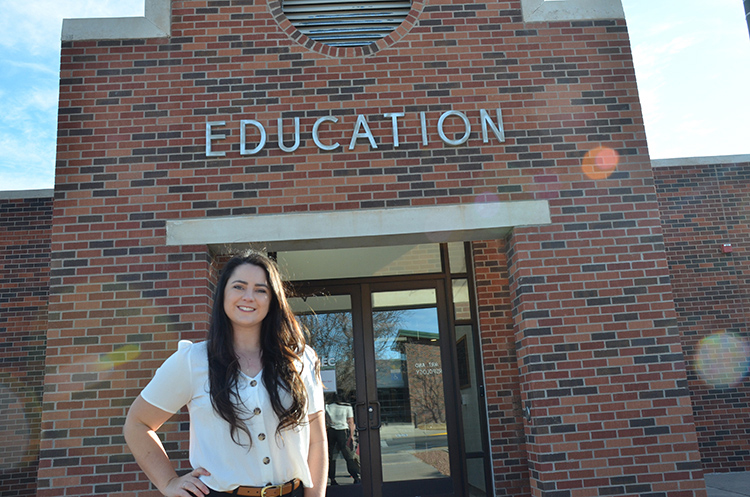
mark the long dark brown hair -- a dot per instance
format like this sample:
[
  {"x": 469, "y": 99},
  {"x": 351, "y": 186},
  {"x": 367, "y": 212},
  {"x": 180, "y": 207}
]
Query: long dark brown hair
[{"x": 282, "y": 344}]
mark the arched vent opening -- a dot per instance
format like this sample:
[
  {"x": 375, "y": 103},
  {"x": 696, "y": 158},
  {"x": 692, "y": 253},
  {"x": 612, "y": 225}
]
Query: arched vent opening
[{"x": 346, "y": 23}]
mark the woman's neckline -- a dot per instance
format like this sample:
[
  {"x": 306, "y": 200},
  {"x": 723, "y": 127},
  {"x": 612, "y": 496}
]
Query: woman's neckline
[{"x": 256, "y": 377}]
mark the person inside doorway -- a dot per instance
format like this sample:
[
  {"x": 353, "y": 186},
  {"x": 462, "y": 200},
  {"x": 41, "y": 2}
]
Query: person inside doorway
[
  {"x": 340, "y": 428},
  {"x": 253, "y": 392}
]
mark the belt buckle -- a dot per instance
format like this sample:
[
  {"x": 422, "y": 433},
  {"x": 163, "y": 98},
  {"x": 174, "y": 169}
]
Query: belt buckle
[{"x": 265, "y": 489}]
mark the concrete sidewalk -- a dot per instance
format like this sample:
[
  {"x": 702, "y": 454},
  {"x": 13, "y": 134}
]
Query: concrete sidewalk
[{"x": 728, "y": 484}]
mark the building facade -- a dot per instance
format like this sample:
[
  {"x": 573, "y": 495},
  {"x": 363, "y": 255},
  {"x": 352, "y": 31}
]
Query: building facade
[{"x": 476, "y": 183}]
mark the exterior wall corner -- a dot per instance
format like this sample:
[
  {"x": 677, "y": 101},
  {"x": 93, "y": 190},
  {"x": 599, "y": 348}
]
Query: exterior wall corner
[{"x": 155, "y": 24}]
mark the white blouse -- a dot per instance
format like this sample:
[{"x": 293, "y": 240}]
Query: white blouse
[{"x": 272, "y": 459}]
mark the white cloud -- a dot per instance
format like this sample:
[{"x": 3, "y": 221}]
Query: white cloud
[
  {"x": 28, "y": 159},
  {"x": 27, "y": 137},
  {"x": 30, "y": 44},
  {"x": 35, "y": 67},
  {"x": 34, "y": 26},
  {"x": 10, "y": 181},
  {"x": 692, "y": 64}
]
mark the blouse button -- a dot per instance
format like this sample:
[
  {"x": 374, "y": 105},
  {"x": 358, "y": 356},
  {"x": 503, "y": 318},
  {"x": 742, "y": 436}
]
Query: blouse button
[
  {"x": 253, "y": 383},
  {"x": 256, "y": 411},
  {"x": 266, "y": 460},
  {"x": 262, "y": 437}
]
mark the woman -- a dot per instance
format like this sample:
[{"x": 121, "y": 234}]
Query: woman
[{"x": 257, "y": 423}]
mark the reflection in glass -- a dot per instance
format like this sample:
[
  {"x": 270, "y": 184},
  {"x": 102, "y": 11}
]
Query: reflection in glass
[
  {"x": 468, "y": 385},
  {"x": 461, "y": 306},
  {"x": 470, "y": 409},
  {"x": 413, "y": 435},
  {"x": 475, "y": 469},
  {"x": 328, "y": 321},
  {"x": 457, "y": 257}
]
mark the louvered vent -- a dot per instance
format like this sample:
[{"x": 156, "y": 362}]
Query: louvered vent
[{"x": 345, "y": 23}]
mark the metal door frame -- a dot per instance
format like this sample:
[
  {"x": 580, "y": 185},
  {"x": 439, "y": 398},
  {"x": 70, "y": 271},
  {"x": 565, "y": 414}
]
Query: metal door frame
[{"x": 360, "y": 291}]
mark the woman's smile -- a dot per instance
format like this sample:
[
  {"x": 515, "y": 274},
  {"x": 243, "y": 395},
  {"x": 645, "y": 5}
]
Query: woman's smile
[{"x": 247, "y": 297}]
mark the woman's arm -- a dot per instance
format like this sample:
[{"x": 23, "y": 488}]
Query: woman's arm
[
  {"x": 350, "y": 421},
  {"x": 140, "y": 434},
  {"x": 317, "y": 457}
]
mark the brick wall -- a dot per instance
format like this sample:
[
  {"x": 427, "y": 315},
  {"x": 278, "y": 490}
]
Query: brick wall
[
  {"x": 598, "y": 347},
  {"x": 503, "y": 391},
  {"x": 25, "y": 225},
  {"x": 703, "y": 207},
  {"x": 593, "y": 320},
  {"x": 110, "y": 327}
]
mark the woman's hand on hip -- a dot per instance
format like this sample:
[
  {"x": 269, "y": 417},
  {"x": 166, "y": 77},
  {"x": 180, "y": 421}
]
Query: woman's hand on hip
[{"x": 188, "y": 485}]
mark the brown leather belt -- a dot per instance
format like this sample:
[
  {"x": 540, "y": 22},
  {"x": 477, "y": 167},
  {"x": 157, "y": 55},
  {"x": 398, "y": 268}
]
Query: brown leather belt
[{"x": 269, "y": 490}]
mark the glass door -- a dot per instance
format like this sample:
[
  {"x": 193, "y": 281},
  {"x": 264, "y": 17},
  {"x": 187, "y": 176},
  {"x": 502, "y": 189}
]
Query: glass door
[
  {"x": 409, "y": 342},
  {"x": 383, "y": 349},
  {"x": 333, "y": 324}
]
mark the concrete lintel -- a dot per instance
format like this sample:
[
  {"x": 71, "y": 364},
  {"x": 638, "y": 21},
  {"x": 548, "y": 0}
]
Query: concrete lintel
[
  {"x": 701, "y": 161},
  {"x": 571, "y": 10},
  {"x": 367, "y": 227},
  {"x": 157, "y": 23}
]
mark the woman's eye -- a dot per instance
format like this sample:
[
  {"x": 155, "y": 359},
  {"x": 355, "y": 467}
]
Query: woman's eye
[{"x": 238, "y": 287}]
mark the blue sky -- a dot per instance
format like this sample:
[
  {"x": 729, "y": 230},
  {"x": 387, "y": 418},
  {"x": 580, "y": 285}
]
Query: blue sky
[{"x": 692, "y": 63}]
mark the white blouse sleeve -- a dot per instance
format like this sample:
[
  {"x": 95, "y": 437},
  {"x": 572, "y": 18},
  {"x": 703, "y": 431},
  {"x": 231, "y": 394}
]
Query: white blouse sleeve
[
  {"x": 313, "y": 383},
  {"x": 171, "y": 386}
]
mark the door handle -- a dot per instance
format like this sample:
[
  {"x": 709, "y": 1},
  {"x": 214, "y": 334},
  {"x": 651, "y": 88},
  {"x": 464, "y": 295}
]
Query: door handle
[
  {"x": 361, "y": 416},
  {"x": 373, "y": 415},
  {"x": 367, "y": 416}
]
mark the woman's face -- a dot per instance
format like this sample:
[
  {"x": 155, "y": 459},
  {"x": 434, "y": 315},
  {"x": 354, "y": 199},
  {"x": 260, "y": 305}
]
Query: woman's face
[{"x": 247, "y": 298}]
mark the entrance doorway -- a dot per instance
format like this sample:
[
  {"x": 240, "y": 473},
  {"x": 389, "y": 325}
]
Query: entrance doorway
[{"x": 392, "y": 363}]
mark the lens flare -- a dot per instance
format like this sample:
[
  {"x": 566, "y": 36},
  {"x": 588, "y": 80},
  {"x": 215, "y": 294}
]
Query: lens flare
[
  {"x": 600, "y": 162},
  {"x": 723, "y": 359},
  {"x": 117, "y": 357},
  {"x": 20, "y": 416}
]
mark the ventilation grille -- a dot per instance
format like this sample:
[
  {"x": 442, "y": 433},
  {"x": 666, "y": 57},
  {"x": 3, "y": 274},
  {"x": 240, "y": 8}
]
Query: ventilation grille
[{"x": 345, "y": 23}]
